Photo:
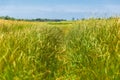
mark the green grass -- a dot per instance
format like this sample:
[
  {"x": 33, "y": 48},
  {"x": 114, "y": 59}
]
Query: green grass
[{"x": 82, "y": 50}]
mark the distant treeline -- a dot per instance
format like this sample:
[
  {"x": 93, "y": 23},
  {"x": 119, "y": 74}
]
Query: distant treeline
[{"x": 37, "y": 19}]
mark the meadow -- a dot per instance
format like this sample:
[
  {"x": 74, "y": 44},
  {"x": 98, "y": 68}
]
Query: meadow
[{"x": 67, "y": 50}]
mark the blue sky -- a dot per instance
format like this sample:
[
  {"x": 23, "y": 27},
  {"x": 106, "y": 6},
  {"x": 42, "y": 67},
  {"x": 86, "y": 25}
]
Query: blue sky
[{"x": 66, "y": 9}]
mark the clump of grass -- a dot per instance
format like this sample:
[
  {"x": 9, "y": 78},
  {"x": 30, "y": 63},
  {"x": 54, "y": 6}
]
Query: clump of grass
[{"x": 94, "y": 51}]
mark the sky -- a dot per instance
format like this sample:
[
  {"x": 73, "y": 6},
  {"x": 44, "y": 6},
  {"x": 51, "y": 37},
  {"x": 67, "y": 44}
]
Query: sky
[{"x": 59, "y": 9}]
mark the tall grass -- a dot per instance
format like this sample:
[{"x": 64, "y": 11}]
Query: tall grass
[
  {"x": 94, "y": 51},
  {"x": 87, "y": 50}
]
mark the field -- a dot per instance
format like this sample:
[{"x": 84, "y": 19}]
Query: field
[{"x": 68, "y": 50}]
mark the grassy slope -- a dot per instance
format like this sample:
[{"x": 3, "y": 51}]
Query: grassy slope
[{"x": 79, "y": 50}]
